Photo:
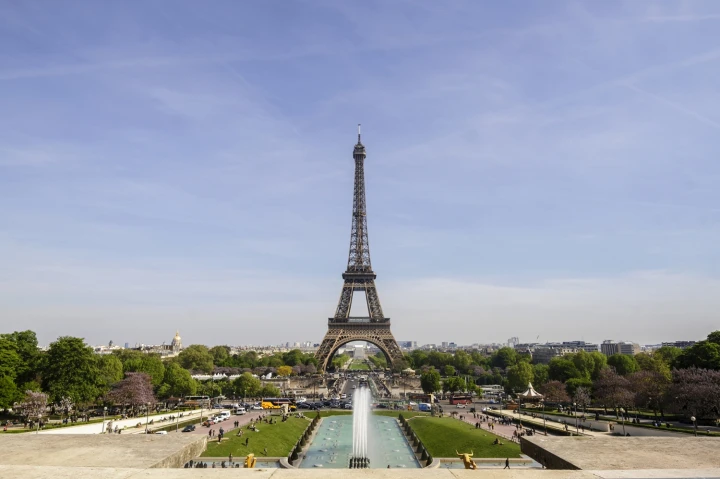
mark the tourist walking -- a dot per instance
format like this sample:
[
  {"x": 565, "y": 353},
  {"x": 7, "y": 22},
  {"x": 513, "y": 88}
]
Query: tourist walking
[{"x": 507, "y": 463}]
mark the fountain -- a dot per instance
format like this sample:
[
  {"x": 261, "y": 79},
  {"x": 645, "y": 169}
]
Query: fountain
[
  {"x": 361, "y": 441},
  {"x": 361, "y": 410}
]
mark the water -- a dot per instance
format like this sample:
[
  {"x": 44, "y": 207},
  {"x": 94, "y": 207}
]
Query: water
[
  {"x": 363, "y": 434},
  {"x": 361, "y": 411}
]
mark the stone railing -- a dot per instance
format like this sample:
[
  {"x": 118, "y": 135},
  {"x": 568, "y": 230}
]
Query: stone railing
[
  {"x": 297, "y": 449},
  {"x": 415, "y": 443}
]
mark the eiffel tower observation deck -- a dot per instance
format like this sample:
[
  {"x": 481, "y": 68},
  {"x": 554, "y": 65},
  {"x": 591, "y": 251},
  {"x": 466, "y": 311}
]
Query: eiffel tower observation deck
[{"x": 359, "y": 276}]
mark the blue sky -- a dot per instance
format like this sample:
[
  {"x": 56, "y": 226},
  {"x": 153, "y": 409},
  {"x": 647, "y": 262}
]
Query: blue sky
[{"x": 534, "y": 168}]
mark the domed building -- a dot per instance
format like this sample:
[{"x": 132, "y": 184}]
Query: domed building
[{"x": 176, "y": 344}]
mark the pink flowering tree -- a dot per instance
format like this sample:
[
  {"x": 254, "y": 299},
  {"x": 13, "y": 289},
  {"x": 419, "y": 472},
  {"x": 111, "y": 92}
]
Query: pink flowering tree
[
  {"x": 34, "y": 406},
  {"x": 134, "y": 390}
]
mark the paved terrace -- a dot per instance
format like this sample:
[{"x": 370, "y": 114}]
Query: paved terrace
[
  {"x": 112, "y": 450},
  {"x": 624, "y": 453}
]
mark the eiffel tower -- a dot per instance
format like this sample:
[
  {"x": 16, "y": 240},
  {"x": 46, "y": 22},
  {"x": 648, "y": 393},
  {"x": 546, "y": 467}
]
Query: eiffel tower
[{"x": 359, "y": 276}]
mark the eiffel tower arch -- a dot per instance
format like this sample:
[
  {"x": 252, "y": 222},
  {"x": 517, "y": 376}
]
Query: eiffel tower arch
[{"x": 359, "y": 276}]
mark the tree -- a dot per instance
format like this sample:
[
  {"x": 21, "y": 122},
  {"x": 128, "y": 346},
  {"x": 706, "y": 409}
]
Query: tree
[
  {"x": 150, "y": 364},
  {"x": 449, "y": 371},
  {"x": 562, "y": 368},
  {"x": 454, "y": 384},
  {"x": 667, "y": 354},
  {"x": 269, "y": 391},
  {"x": 462, "y": 360},
  {"x": 10, "y": 360},
  {"x": 624, "y": 364},
  {"x": 714, "y": 337},
  {"x": 695, "y": 392},
  {"x": 34, "y": 407},
  {"x": 70, "y": 371},
  {"x": 582, "y": 397},
  {"x": 247, "y": 385},
  {"x": 649, "y": 388},
  {"x": 220, "y": 354},
  {"x": 519, "y": 376},
  {"x": 702, "y": 355},
  {"x": 284, "y": 371},
  {"x": 135, "y": 390},
  {"x": 310, "y": 368},
  {"x": 612, "y": 389},
  {"x": 26, "y": 347},
  {"x": 110, "y": 371},
  {"x": 541, "y": 374},
  {"x": 653, "y": 363},
  {"x": 503, "y": 358},
  {"x": 9, "y": 392},
  {"x": 178, "y": 381},
  {"x": 572, "y": 385},
  {"x": 430, "y": 381},
  {"x": 293, "y": 357},
  {"x": 196, "y": 358},
  {"x": 554, "y": 392},
  {"x": 65, "y": 406}
]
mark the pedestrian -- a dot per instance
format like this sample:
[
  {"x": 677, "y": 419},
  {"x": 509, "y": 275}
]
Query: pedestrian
[
  {"x": 210, "y": 433},
  {"x": 230, "y": 457},
  {"x": 265, "y": 451},
  {"x": 247, "y": 440},
  {"x": 507, "y": 463}
]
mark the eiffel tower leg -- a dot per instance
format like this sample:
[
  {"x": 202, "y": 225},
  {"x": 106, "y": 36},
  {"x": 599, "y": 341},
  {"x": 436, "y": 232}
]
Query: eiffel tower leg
[
  {"x": 345, "y": 303},
  {"x": 373, "y": 302},
  {"x": 327, "y": 347}
]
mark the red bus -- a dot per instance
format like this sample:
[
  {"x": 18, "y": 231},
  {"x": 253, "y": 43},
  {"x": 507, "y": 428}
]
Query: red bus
[{"x": 461, "y": 399}]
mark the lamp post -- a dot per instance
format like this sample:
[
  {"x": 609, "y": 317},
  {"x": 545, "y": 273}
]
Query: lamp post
[
  {"x": 577, "y": 430},
  {"x": 544, "y": 419},
  {"x": 622, "y": 412},
  {"x": 694, "y": 421},
  {"x": 104, "y": 414},
  {"x": 147, "y": 417}
]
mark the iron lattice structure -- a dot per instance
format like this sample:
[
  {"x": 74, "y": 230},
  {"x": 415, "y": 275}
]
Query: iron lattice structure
[{"x": 359, "y": 276}]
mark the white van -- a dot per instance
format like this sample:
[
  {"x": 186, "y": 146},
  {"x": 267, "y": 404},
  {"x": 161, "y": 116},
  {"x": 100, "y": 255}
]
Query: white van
[
  {"x": 239, "y": 411},
  {"x": 224, "y": 415}
]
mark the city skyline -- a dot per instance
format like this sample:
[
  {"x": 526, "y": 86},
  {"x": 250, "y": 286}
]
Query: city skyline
[{"x": 532, "y": 170}]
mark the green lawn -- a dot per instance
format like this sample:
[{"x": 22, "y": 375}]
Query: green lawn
[
  {"x": 359, "y": 366},
  {"x": 279, "y": 440},
  {"x": 442, "y": 436}
]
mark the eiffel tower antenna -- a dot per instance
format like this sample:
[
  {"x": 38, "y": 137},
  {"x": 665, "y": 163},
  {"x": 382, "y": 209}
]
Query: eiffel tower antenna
[{"x": 359, "y": 276}]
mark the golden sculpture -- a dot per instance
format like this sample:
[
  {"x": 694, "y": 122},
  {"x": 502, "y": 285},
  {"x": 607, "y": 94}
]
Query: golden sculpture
[
  {"x": 469, "y": 463},
  {"x": 250, "y": 461}
]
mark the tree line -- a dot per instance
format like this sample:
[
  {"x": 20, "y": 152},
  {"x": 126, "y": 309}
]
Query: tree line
[
  {"x": 684, "y": 381},
  {"x": 69, "y": 370}
]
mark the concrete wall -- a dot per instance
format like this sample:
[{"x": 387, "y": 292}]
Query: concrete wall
[
  {"x": 182, "y": 456},
  {"x": 549, "y": 460}
]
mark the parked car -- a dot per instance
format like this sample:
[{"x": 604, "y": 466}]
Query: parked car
[
  {"x": 460, "y": 406},
  {"x": 189, "y": 428},
  {"x": 161, "y": 432},
  {"x": 218, "y": 406},
  {"x": 257, "y": 407},
  {"x": 348, "y": 406}
]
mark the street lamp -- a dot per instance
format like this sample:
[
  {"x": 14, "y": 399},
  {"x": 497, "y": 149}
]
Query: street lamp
[
  {"x": 147, "y": 417},
  {"x": 104, "y": 413},
  {"x": 544, "y": 419},
  {"x": 577, "y": 431},
  {"x": 622, "y": 412},
  {"x": 692, "y": 418}
]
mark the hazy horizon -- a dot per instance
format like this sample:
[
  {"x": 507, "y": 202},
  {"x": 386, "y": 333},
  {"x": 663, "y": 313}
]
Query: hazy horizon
[{"x": 534, "y": 169}]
